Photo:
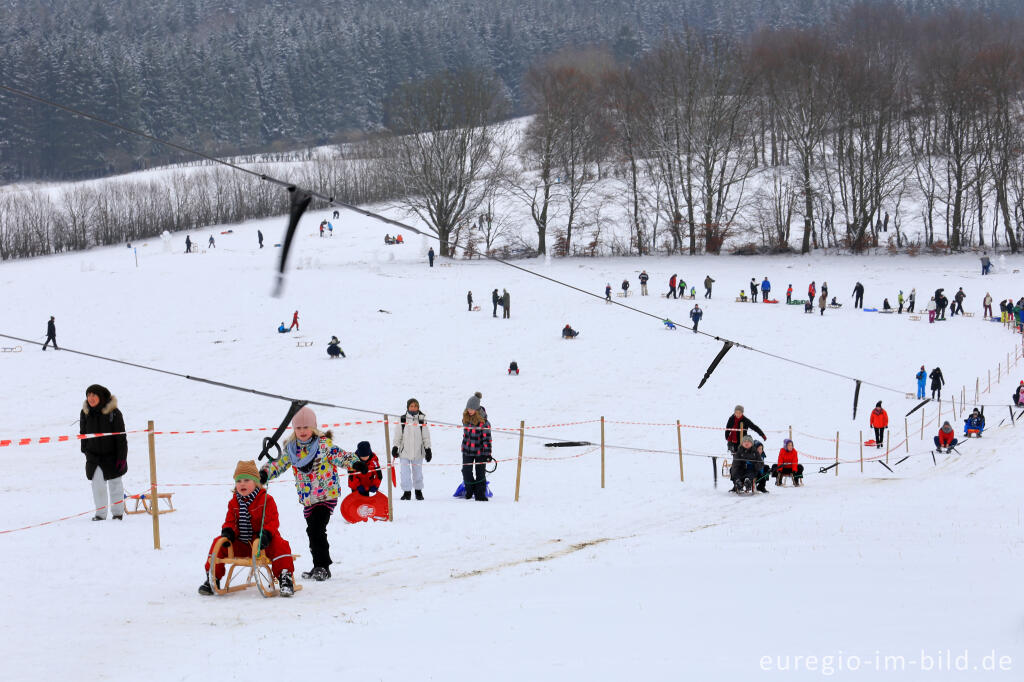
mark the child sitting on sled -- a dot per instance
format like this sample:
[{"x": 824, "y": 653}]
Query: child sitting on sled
[{"x": 252, "y": 516}]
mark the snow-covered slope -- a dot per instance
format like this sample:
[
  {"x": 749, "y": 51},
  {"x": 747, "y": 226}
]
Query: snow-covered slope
[{"x": 649, "y": 576}]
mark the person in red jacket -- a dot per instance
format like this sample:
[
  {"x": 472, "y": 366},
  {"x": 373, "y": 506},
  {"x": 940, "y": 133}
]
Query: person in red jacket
[
  {"x": 252, "y": 517},
  {"x": 672, "y": 286},
  {"x": 367, "y": 477},
  {"x": 788, "y": 464},
  {"x": 946, "y": 440},
  {"x": 811, "y": 290},
  {"x": 879, "y": 422},
  {"x": 295, "y": 321},
  {"x": 789, "y": 293}
]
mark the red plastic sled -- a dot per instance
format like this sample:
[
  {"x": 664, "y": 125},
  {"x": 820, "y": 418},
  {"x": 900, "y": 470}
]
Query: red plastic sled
[
  {"x": 870, "y": 443},
  {"x": 771, "y": 300},
  {"x": 356, "y": 508}
]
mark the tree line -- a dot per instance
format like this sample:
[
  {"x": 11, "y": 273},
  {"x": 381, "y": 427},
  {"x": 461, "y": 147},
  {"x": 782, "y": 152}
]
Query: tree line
[{"x": 836, "y": 135}]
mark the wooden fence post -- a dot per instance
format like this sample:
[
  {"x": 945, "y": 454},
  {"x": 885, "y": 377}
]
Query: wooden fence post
[
  {"x": 602, "y": 453},
  {"x": 391, "y": 464},
  {"x": 989, "y": 389},
  {"x": 679, "y": 439},
  {"x": 519, "y": 464},
  {"x": 861, "y": 434},
  {"x": 154, "y": 499},
  {"x": 922, "y": 424},
  {"x": 906, "y": 433},
  {"x": 977, "y": 383},
  {"x": 888, "y": 444},
  {"x": 837, "y": 453},
  {"x": 791, "y": 432}
]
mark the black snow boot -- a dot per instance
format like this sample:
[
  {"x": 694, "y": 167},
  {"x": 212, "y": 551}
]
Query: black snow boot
[
  {"x": 285, "y": 585},
  {"x": 736, "y": 487},
  {"x": 748, "y": 485},
  {"x": 469, "y": 492},
  {"x": 205, "y": 588},
  {"x": 407, "y": 495},
  {"x": 761, "y": 486},
  {"x": 319, "y": 574},
  {"x": 481, "y": 491},
  {"x": 419, "y": 494}
]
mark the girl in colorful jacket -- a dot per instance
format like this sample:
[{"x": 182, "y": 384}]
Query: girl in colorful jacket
[
  {"x": 314, "y": 460},
  {"x": 252, "y": 516}
]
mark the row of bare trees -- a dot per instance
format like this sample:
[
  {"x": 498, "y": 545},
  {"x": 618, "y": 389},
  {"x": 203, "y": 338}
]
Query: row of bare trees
[
  {"x": 39, "y": 222},
  {"x": 850, "y": 131}
]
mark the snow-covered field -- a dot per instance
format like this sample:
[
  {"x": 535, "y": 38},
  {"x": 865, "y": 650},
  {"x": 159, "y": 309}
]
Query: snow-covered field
[{"x": 647, "y": 578}]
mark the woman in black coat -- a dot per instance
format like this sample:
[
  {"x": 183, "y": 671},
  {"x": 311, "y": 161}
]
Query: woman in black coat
[
  {"x": 937, "y": 382},
  {"x": 106, "y": 457}
]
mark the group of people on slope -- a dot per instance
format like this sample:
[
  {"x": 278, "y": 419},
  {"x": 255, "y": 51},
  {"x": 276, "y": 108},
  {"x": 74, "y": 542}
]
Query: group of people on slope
[
  {"x": 938, "y": 381},
  {"x": 295, "y": 324},
  {"x": 748, "y": 469},
  {"x": 504, "y": 300}
]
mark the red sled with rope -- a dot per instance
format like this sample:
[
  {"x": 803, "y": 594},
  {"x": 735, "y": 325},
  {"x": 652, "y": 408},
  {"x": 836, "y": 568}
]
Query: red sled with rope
[{"x": 357, "y": 508}]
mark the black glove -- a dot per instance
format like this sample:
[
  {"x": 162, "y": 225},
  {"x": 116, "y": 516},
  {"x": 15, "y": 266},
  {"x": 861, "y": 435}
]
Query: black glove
[
  {"x": 360, "y": 466},
  {"x": 394, "y": 451},
  {"x": 228, "y": 533},
  {"x": 427, "y": 454},
  {"x": 263, "y": 477},
  {"x": 373, "y": 490},
  {"x": 362, "y": 491},
  {"x": 265, "y": 538}
]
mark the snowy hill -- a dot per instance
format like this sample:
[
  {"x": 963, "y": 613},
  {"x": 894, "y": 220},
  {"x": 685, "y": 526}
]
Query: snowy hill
[{"x": 648, "y": 576}]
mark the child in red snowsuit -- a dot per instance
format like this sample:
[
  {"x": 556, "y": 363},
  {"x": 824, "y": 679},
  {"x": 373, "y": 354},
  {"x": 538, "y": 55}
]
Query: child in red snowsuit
[
  {"x": 252, "y": 517},
  {"x": 368, "y": 476},
  {"x": 788, "y": 463}
]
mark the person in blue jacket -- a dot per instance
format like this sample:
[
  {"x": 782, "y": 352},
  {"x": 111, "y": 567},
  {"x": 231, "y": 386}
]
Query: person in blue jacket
[
  {"x": 695, "y": 315},
  {"x": 766, "y": 287},
  {"x": 283, "y": 329},
  {"x": 975, "y": 422},
  {"x": 921, "y": 376}
]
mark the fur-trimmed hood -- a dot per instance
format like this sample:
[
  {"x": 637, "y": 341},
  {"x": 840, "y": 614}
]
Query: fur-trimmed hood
[{"x": 105, "y": 409}]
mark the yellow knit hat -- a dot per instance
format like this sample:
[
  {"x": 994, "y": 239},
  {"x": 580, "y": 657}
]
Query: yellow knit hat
[{"x": 247, "y": 469}]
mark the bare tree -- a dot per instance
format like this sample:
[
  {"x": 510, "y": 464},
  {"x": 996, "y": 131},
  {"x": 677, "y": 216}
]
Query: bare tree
[{"x": 442, "y": 148}]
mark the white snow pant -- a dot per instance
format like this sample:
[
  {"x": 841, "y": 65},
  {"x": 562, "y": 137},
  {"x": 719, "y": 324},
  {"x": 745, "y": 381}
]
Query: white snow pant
[
  {"x": 99, "y": 494},
  {"x": 411, "y": 474}
]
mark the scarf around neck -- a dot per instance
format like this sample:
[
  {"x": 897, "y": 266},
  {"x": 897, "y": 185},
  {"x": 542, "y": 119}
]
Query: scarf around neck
[
  {"x": 303, "y": 455},
  {"x": 244, "y": 518}
]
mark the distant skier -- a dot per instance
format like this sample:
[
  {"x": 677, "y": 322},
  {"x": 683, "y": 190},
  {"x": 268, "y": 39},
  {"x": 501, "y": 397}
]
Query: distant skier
[
  {"x": 495, "y": 299},
  {"x": 295, "y": 322},
  {"x": 259, "y": 236},
  {"x": 696, "y": 314},
  {"x": 334, "y": 348},
  {"x": 858, "y": 295},
  {"x": 937, "y": 383},
  {"x": 212, "y": 244},
  {"x": 51, "y": 334},
  {"x": 946, "y": 440},
  {"x": 188, "y": 244},
  {"x": 672, "y": 286},
  {"x": 430, "y": 257},
  {"x": 643, "y": 282},
  {"x": 766, "y": 288},
  {"x": 736, "y": 423},
  {"x": 879, "y": 422},
  {"x": 469, "y": 300},
  {"x": 921, "y": 376},
  {"x": 569, "y": 333},
  {"x": 707, "y": 286}
]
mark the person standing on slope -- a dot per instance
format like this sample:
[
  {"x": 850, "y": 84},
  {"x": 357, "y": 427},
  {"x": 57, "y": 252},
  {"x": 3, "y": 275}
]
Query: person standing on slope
[
  {"x": 643, "y": 282},
  {"x": 921, "y": 376},
  {"x": 495, "y": 298},
  {"x": 858, "y": 295},
  {"x": 737, "y": 423},
  {"x": 411, "y": 447},
  {"x": 753, "y": 290},
  {"x": 476, "y": 449},
  {"x": 879, "y": 422},
  {"x": 911, "y": 300},
  {"x": 812, "y": 292},
  {"x": 937, "y": 383},
  {"x": 430, "y": 257},
  {"x": 672, "y": 286},
  {"x": 789, "y": 294},
  {"x": 188, "y": 244},
  {"x": 259, "y": 236},
  {"x": 106, "y": 457},
  {"x": 707, "y": 286},
  {"x": 506, "y": 304},
  {"x": 469, "y": 301},
  {"x": 987, "y": 303},
  {"x": 696, "y": 314},
  {"x": 766, "y": 288}
]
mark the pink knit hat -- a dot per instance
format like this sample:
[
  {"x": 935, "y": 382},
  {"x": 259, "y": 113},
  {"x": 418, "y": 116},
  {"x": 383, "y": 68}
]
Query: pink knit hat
[{"x": 304, "y": 417}]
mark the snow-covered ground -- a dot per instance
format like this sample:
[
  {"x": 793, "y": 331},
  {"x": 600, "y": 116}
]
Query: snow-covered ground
[{"x": 649, "y": 577}]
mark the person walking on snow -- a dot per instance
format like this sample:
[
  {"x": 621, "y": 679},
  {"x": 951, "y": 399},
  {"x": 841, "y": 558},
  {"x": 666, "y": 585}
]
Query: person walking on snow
[
  {"x": 323, "y": 226},
  {"x": 695, "y": 315},
  {"x": 931, "y": 310},
  {"x": 766, "y": 288},
  {"x": 858, "y": 295},
  {"x": 822, "y": 302},
  {"x": 411, "y": 447},
  {"x": 314, "y": 460},
  {"x": 672, "y": 286},
  {"x": 707, "y": 286},
  {"x": 959, "y": 300},
  {"x": 643, "y": 282},
  {"x": 987, "y": 302},
  {"x": 608, "y": 293},
  {"x": 188, "y": 244},
  {"x": 259, "y": 236},
  {"x": 252, "y": 517},
  {"x": 330, "y": 230},
  {"x": 495, "y": 298},
  {"x": 430, "y": 256},
  {"x": 476, "y": 448},
  {"x": 921, "y": 376},
  {"x": 506, "y": 304},
  {"x": 469, "y": 301},
  {"x": 212, "y": 243},
  {"x": 51, "y": 334},
  {"x": 879, "y": 421},
  {"x": 682, "y": 288},
  {"x": 937, "y": 382},
  {"x": 106, "y": 457},
  {"x": 295, "y": 322}
]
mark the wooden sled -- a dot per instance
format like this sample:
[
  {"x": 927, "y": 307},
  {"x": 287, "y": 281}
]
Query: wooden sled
[
  {"x": 742, "y": 300},
  {"x": 303, "y": 344},
  {"x": 838, "y": 305},
  {"x": 781, "y": 476},
  {"x": 260, "y": 574},
  {"x": 11, "y": 349},
  {"x": 967, "y": 314},
  {"x": 143, "y": 501},
  {"x": 883, "y": 311},
  {"x": 622, "y": 294},
  {"x": 915, "y": 318}
]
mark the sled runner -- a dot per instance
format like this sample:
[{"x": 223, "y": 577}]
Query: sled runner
[
  {"x": 303, "y": 344},
  {"x": 357, "y": 508},
  {"x": 781, "y": 476},
  {"x": 260, "y": 574}
]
